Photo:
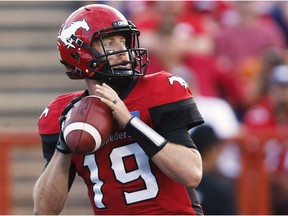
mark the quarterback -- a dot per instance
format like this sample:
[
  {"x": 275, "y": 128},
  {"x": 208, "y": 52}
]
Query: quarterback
[{"x": 149, "y": 161}]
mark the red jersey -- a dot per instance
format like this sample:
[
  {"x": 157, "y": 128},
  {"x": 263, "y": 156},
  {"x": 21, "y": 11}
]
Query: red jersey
[
  {"x": 260, "y": 116},
  {"x": 120, "y": 177}
]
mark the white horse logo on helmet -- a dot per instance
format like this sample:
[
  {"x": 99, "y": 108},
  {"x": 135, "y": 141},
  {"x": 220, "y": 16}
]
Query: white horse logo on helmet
[{"x": 65, "y": 35}]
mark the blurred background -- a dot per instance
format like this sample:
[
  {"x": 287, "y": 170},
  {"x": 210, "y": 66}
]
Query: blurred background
[{"x": 234, "y": 56}]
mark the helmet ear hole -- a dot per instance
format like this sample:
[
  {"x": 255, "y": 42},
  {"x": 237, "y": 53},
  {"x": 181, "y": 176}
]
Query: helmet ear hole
[{"x": 76, "y": 56}]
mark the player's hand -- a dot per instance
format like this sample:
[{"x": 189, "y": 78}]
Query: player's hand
[
  {"x": 110, "y": 97},
  {"x": 61, "y": 144}
]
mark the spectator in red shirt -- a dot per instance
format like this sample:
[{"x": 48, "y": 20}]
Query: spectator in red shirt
[{"x": 272, "y": 112}]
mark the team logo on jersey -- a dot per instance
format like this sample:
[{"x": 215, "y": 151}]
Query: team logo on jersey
[
  {"x": 182, "y": 82},
  {"x": 65, "y": 35},
  {"x": 136, "y": 114},
  {"x": 44, "y": 113}
]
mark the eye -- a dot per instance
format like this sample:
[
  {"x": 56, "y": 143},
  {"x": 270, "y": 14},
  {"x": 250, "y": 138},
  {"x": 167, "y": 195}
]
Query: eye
[
  {"x": 108, "y": 44},
  {"x": 123, "y": 41}
]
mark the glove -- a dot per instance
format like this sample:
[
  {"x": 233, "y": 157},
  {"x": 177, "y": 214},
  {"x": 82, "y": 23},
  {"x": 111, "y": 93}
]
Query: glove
[{"x": 61, "y": 145}]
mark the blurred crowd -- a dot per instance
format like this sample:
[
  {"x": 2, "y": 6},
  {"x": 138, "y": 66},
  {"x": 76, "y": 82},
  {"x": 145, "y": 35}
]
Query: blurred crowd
[{"x": 234, "y": 55}]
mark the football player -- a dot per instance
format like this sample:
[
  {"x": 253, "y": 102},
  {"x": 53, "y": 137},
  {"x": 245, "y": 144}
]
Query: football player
[{"x": 150, "y": 160}]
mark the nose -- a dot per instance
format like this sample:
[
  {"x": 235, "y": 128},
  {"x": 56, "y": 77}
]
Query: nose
[{"x": 121, "y": 47}]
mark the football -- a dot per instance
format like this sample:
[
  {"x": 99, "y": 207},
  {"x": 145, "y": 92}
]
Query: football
[{"x": 88, "y": 125}]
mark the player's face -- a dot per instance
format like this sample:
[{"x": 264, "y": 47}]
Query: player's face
[{"x": 113, "y": 44}]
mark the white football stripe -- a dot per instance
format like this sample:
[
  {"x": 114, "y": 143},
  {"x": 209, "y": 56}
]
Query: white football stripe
[{"x": 86, "y": 127}]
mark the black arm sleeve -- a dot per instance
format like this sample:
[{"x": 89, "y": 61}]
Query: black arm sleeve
[
  {"x": 174, "y": 115},
  {"x": 173, "y": 121},
  {"x": 48, "y": 145},
  {"x": 48, "y": 148},
  {"x": 180, "y": 136}
]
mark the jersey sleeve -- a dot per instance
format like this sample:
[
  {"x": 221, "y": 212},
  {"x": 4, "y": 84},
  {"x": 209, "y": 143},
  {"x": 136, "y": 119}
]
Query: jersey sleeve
[
  {"x": 48, "y": 124},
  {"x": 183, "y": 113},
  {"x": 173, "y": 105},
  {"x": 174, "y": 120},
  {"x": 49, "y": 128},
  {"x": 49, "y": 120},
  {"x": 175, "y": 111},
  {"x": 48, "y": 145}
]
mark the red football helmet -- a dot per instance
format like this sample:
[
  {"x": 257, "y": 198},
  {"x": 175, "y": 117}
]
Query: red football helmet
[{"x": 92, "y": 22}]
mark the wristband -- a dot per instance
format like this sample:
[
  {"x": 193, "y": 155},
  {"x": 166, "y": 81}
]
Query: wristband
[{"x": 149, "y": 140}]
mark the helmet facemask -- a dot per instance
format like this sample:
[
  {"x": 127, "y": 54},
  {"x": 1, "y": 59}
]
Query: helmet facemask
[
  {"x": 135, "y": 66},
  {"x": 99, "y": 66}
]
